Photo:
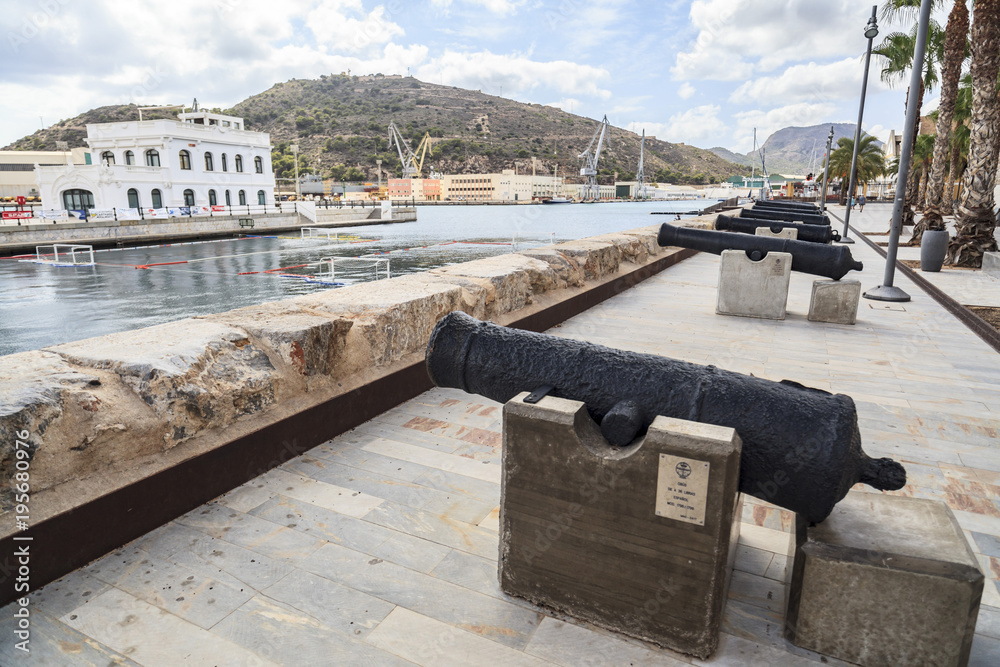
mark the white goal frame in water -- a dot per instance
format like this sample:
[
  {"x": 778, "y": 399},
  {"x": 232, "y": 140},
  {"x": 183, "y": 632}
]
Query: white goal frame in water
[
  {"x": 374, "y": 262},
  {"x": 70, "y": 253},
  {"x": 326, "y": 233}
]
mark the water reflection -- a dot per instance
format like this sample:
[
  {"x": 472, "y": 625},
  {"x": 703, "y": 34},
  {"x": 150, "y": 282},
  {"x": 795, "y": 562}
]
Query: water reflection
[{"x": 44, "y": 305}]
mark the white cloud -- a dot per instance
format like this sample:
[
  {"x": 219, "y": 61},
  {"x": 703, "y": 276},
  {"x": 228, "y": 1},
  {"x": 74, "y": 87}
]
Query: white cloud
[
  {"x": 739, "y": 37},
  {"x": 501, "y": 7},
  {"x": 686, "y": 91},
  {"x": 811, "y": 82},
  {"x": 516, "y": 73},
  {"x": 569, "y": 104},
  {"x": 338, "y": 33},
  {"x": 700, "y": 125},
  {"x": 767, "y": 122}
]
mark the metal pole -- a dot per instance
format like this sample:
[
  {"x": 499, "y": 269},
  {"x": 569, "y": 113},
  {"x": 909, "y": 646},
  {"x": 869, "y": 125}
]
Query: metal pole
[
  {"x": 845, "y": 238},
  {"x": 886, "y": 291},
  {"x": 826, "y": 171}
]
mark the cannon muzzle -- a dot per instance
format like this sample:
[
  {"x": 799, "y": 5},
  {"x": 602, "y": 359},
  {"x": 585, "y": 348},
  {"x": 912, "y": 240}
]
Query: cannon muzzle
[
  {"x": 810, "y": 233},
  {"x": 801, "y": 446},
  {"x": 804, "y": 207},
  {"x": 820, "y": 260},
  {"x": 788, "y": 216}
]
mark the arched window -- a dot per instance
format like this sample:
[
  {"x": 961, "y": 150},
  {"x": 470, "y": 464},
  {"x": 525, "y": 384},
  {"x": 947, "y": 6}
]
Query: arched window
[
  {"x": 229, "y": 201},
  {"x": 107, "y": 158},
  {"x": 258, "y": 165},
  {"x": 75, "y": 200},
  {"x": 189, "y": 198},
  {"x": 129, "y": 158},
  {"x": 243, "y": 198},
  {"x": 152, "y": 158},
  {"x": 156, "y": 199},
  {"x": 185, "y": 160},
  {"x": 212, "y": 200},
  {"x": 225, "y": 163},
  {"x": 133, "y": 198},
  {"x": 209, "y": 163},
  {"x": 261, "y": 198},
  {"x": 239, "y": 163}
]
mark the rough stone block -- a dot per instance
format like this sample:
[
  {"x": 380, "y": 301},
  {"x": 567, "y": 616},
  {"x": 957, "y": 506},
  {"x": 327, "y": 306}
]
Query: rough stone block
[
  {"x": 783, "y": 233},
  {"x": 991, "y": 264},
  {"x": 568, "y": 272},
  {"x": 511, "y": 280},
  {"x": 633, "y": 249},
  {"x": 754, "y": 289},
  {"x": 885, "y": 580},
  {"x": 835, "y": 301},
  {"x": 597, "y": 259},
  {"x": 639, "y": 540}
]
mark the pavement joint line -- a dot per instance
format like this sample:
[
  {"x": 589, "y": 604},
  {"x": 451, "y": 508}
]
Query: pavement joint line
[{"x": 974, "y": 322}]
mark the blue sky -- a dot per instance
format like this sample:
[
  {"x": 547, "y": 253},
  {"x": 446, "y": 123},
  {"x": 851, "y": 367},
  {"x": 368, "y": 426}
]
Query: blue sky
[{"x": 702, "y": 72}]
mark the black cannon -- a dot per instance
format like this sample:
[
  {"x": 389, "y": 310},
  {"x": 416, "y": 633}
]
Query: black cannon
[
  {"x": 785, "y": 205},
  {"x": 801, "y": 446},
  {"x": 788, "y": 216},
  {"x": 820, "y": 260},
  {"x": 810, "y": 233}
]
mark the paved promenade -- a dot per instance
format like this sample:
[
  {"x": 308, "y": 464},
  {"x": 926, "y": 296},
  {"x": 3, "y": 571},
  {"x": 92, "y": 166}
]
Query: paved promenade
[{"x": 379, "y": 547}]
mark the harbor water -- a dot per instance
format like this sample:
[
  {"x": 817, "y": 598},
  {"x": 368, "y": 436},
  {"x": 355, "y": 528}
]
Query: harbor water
[{"x": 130, "y": 288}]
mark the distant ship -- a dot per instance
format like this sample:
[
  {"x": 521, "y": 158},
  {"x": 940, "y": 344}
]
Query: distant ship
[{"x": 557, "y": 200}]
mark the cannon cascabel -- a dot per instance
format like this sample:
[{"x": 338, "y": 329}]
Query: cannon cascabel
[
  {"x": 801, "y": 446},
  {"x": 820, "y": 260}
]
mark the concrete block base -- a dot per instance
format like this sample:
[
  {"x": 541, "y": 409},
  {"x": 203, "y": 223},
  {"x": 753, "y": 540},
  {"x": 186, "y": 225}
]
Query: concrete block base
[
  {"x": 835, "y": 301},
  {"x": 784, "y": 233},
  {"x": 991, "y": 264},
  {"x": 886, "y": 580},
  {"x": 751, "y": 288},
  {"x": 639, "y": 540}
]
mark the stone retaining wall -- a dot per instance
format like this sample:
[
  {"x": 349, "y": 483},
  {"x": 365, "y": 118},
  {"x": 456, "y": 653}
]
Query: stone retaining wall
[{"x": 108, "y": 411}]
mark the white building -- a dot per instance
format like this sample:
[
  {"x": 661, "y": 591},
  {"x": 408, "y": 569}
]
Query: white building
[
  {"x": 201, "y": 159},
  {"x": 17, "y": 169}
]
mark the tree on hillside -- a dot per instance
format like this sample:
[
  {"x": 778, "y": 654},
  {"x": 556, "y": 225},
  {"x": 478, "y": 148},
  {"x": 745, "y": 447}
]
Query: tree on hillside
[
  {"x": 896, "y": 55},
  {"x": 871, "y": 162},
  {"x": 975, "y": 223},
  {"x": 955, "y": 48}
]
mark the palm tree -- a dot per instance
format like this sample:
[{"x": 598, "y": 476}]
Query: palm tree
[
  {"x": 955, "y": 47},
  {"x": 959, "y": 142},
  {"x": 975, "y": 223},
  {"x": 923, "y": 154},
  {"x": 896, "y": 55},
  {"x": 871, "y": 162}
]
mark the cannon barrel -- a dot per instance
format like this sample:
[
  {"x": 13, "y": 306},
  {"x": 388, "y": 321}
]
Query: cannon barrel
[
  {"x": 820, "y": 260},
  {"x": 796, "y": 206},
  {"x": 787, "y": 216},
  {"x": 801, "y": 446},
  {"x": 810, "y": 233}
]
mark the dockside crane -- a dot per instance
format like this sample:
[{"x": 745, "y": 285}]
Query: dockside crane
[
  {"x": 412, "y": 165},
  {"x": 590, "y": 158},
  {"x": 640, "y": 175}
]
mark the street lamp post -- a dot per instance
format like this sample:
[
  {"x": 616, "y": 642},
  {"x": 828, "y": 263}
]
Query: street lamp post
[
  {"x": 871, "y": 32},
  {"x": 886, "y": 291},
  {"x": 826, "y": 171},
  {"x": 295, "y": 151}
]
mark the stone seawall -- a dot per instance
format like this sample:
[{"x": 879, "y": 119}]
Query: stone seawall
[
  {"x": 24, "y": 238},
  {"x": 107, "y": 413}
]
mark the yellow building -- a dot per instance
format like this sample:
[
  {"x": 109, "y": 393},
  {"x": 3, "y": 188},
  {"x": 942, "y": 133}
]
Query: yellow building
[{"x": 17, "y": 169}]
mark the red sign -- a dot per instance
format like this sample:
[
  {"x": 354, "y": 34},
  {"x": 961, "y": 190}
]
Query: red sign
[
  {"x": 21, "y": 200},
  {"x": 16, "y": 215}
]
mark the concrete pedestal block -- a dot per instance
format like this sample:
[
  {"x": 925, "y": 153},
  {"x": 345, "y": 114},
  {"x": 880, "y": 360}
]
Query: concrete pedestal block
[
  {"x": 639, "y": 540},
  {"x": 784, "y": 233},
  {"x": 885, "y": 580},
  {"x": 835, "y": 301},
  {"x": 991, "y": 264},
  {"x": 751, "y": 288}
]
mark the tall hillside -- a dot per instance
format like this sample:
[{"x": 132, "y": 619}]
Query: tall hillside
[
  {"x": 793, "y": 150},
  {"x": 340, "y": 124}
]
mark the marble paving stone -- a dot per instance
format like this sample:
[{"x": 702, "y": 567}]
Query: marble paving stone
[
  {"x": 66, "y": 594},
  {"x": 252, "y": 532},
  {"x": 430, "y": 526},
  {"x": 153, "y": 637},
  {"x": 53, "y": 643},
  {"x": 498, "y": 620},
  {"x": 472, "y": 572},
  {"x": 765, "y": 539},
  {"x": 378, "y": 485},
  {"x": 988, "y": 623},
  {"x": 752, "y": 560},
  {"x": 231, "y": 564},
  {"x": 246, "y": 497},
  {"x": 282, "y": 635},
  {"x": 757, "y": 590},
  {"x": 355, "y": 457},
  {"x": 322, "y": 494},
  {"x": 778, "y": 569},
  {"x": 448, "y": 462},
  {"x": 425, "y": 641},
  {"x": 574, "y": 646},
  {"x": 189, "y": 594},
  {"x": 414, "y": 553},
  {"x": 322, "y": 523},
  {"x": 451, "y": 482},
  {"x": 343, "y": 609},
  {"x": 985, "y": 652}
]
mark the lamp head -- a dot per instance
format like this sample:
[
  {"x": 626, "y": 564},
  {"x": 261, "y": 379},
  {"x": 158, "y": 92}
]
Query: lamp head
[{"x": 871, "y": 30}]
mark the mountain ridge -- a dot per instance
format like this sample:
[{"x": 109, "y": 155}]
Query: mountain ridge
[{"x": 793, "y": 150}]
